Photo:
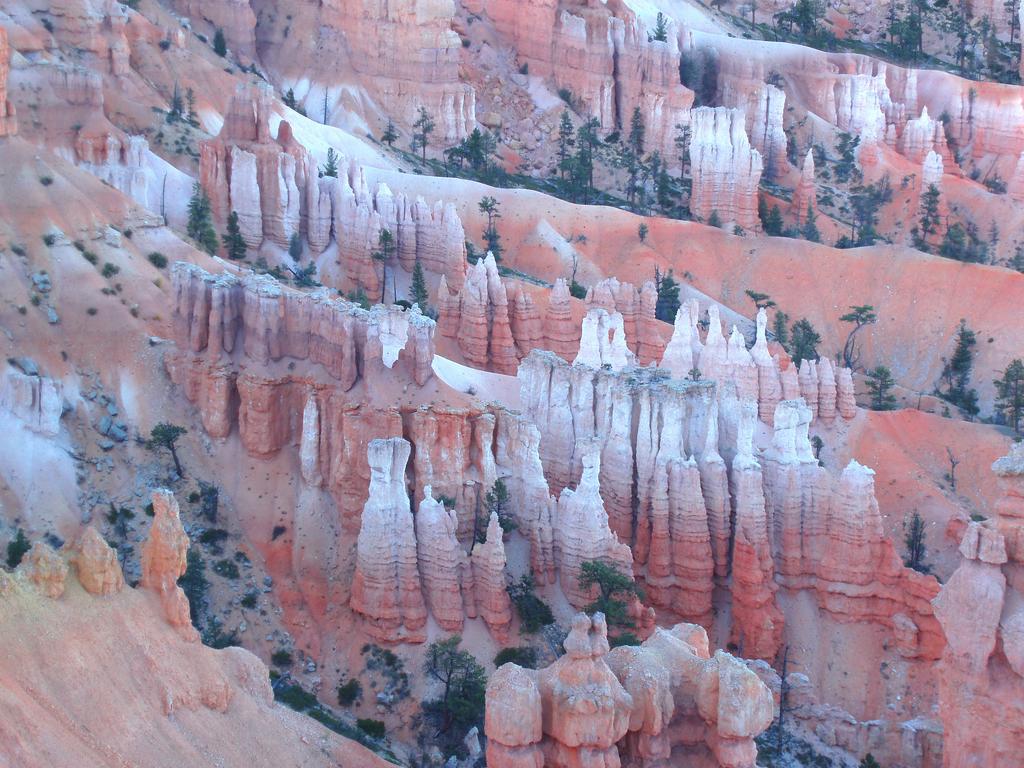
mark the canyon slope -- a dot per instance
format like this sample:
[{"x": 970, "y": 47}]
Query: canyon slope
[{"x": 333, "y": 331}]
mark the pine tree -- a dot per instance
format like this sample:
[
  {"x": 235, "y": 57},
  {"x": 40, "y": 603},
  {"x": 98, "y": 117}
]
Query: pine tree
[
  {"x": 810, "y": 228},
  {"x": 660, "y": 28},
  {"x": 880, "y": 382},
  {"x": 489, "y": 206},
  {"x": 663, "y": 188},
  {"x": 190, "y": 102},
  {"x": 200, "y": 221},
  {"x": 289, "y": 98},
  {"x": 565, "y": 143},
  {"x": 220, "y": 45},
  {"x": 1010, "y": 395},
  {"x": 641, "y": 232},
  {"x": 774, "y": 225},
  {"x": 714, "y": 220},
  {"x": 232, "y": 240},
  {"x": 331, "y": 169},
  {"x": 177, "y": 105},
  {"x": 385, "y": 248},
  {"x": 929, "y": 223},
  {"x": 781, "y": 329},
  {"x": 295, "y": 246},
  {"x": 418, "y": 289},
  {"x": 668, "y": 296},
  {"x": 637, "y": 133},
  {"x": 957, "y": 371},
  {"x": 805, "y": 341},
  {"x": 860, "y": 316},
  {"x": 390, "y": 135},
  {"x": 914, "y": 539},
  {"x": 421, "y": 130}
]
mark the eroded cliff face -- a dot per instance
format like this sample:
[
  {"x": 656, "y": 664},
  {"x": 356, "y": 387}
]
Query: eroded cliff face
[
  {"x": 667, "y": 699},
  {"x": 278, "y": 190},
  {"x": 405, "y": 55},
  {"x": 193, "y": 702},
  {"x": 8, "y": 117},
  {"x": 982, "y": 669}
]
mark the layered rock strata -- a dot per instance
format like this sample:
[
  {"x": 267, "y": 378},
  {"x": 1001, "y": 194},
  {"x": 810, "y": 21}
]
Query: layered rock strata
[
  {"x": 277, "y": 189},
  {"x": 386, "y": 587},
  {"x": 8, "y": 116},
  {"x": 164, "y": 561},
  {"x": 478, "y": 318},
  {"x": 726, "y": 168},
  {"x": 665, "y": 700}
]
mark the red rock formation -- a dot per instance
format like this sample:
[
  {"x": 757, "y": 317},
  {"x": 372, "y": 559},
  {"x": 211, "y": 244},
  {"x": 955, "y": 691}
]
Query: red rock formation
[
  {"x": 443, "y": 567},
  {"x": 667, "y": 699},
  {"x": 561, "y": 334},
  {"x": 981, "y": 674},
  {"x": 757, "y": 620},
  {"x": 164, "y": 561},
  {"x": 404, "y": 54},
  {"x": 235, "y": 18},
  {"x": 769, "y": 382},
  {"x": 8, "y": 117},
  {"x": 247, "y": 171},
  {"x": 649, "y": 341},
  {"x": 805, "y": 195},
  {"x": 46, "y": 570},
  {"x": 386, "y": 585},
  {"x": 483, "y": 330},
  {"x": 726, "y": 169},
  {"x": 742, "y": 85},
  {"x": 524, "y": 319},
  {"x": 1010, "y": 508},
  {"x": 492, "y": 600},
  {"x": 582, "y": 533},
  {"x": 846, "y": 402},
  {"x": 924, "y": 135},
  {"x": 96, "y": 564}
]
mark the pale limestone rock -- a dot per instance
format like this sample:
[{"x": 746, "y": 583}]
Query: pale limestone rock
[
  {"x": 492, "y": 600},
  {"x": 443, "y": 566},
  {"x": 386, "y": 586},
  {"x": 726, "y": 169},
  {"x": 603, "y": 341}
]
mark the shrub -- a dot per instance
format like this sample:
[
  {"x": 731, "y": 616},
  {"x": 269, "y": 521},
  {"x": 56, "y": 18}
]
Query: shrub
[
  {"x": 109, "y": 270},
  {"x": 349, "y": 692},
  {"x": 374, "y": 728},
  {"x": 278, "y": 531},
  {"x": 164, "y": 44},
  {"x": 281, "y": 658},
  {"x": 213, "y": 538},
  {"x": 296, "y": 697},
  {"x": 91, "y": 311},
  {"x": 249, "y": 600},
  {"x": 577, "y": 291},
  {"x": 17, "y": 548},
  {"x": 524, "y": 656},
  {"x": 46, "y": 180},
  {"x": 49, "y": 239},
  {"x": 226, "y": 568},
  {"x": 157, "y": 259},
  {"x": 533, "y": 612},
  {"x": 18, "y": 250},
  {"x": 91, "y": 257}
]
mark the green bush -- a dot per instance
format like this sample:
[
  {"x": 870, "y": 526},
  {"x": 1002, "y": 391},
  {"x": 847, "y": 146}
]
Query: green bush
[
  {"x": 349, "y": 692},
  {"x": 281, "y": 658},
  {"x": 533, "y": 612},
  {"x": 374, "y": 728},
  {"x": 524, "y": 656},
  {"x": 249, "y": 601},
  {"x": 226, "y": 568},
  {"x": 49, "y": 240},
  {"x": 157, "y": 259},
  {"x": 17, "y": 548},
  {"x": 296, "y": 697},
  {"x": 109, "y": 270}
]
